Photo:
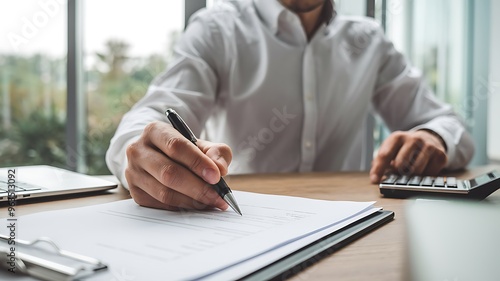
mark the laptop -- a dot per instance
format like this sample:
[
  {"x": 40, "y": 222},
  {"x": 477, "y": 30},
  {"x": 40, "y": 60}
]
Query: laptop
[
  {"x": 453, "y": 240},
  {"x": 41, "y": 181}
]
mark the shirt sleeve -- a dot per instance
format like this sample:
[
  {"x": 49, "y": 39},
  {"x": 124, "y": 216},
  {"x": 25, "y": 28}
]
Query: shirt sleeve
[
  {"x": 405, "y": 102},
  {"x": 188, "y": 86}
]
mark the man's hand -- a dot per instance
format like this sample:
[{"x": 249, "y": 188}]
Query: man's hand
[
  {"x": 410, "y": 153},
  {"x": 166, "y": 171}
]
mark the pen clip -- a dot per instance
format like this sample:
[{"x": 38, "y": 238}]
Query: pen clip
[{"x": 179, "y": 124}]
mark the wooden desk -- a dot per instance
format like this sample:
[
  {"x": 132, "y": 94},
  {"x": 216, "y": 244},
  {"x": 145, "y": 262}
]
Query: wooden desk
[{"x": 376, "y": 256}]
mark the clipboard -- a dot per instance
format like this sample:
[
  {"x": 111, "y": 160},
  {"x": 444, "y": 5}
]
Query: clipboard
[
  {"x": 297, "y": 261},
  {"x": 44, "y": 260}
]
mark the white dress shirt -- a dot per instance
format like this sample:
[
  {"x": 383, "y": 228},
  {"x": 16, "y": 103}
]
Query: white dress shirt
[{"x": 245, "y": 74}]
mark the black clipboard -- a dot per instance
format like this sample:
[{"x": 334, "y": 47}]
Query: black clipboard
[{"x": 297, "y": 261}]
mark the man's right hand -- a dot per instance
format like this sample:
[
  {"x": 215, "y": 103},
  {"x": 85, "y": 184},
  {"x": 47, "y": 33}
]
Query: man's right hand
[{"x": 166, "y": 171}]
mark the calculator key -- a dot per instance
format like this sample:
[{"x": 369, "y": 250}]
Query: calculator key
[
  {"x": 403, "y": 180},
  {"x": 390, "y": 180},
  {"x": 439, "y": 182},
  {"x": 415, "y": 181},
  {"x": 451, "y": 182},
  {"x": 427, "y": 181}
]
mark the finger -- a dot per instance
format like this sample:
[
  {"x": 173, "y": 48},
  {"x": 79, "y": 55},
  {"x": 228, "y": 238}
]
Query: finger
[
  {"x": 421, "y": 161},
  {"x": 437, "y": 163},
  {"x": 181, "y": 150},
  {"x": 220, "y": 153},
  {"x": 425, "y": 158},
  {"x": 176, "y": 177},
  {"x": 142, "y": 198},
  {"x": 151, "y": 196},
  {"x": 404, "y": 161},
  {"x": 147, "y": 191},
  {"x": 388, "y": 150}
]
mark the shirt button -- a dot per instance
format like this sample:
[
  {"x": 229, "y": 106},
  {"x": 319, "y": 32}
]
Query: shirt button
[{"x": 308, "y": 144}]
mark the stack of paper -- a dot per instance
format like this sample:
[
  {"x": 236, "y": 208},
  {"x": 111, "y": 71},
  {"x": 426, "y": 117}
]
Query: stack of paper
[{"x": 147, "y": 244}]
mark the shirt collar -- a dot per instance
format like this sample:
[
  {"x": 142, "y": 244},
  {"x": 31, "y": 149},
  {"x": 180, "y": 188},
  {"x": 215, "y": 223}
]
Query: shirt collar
[{"x": 270, "y": 11}]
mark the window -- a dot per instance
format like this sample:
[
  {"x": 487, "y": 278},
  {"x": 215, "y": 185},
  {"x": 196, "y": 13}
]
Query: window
[
  {"x": 32, "y": 82},
  {"x": 122, "y": 55},
  {"x": 494, "y": 88},
  {"x": 127, "y": 43},
  {"x": 435, "y": 43},
  {"x": 450, "y": 42}
]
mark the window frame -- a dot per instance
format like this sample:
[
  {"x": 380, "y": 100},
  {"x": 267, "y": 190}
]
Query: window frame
[{"x": 76, "y": 105}]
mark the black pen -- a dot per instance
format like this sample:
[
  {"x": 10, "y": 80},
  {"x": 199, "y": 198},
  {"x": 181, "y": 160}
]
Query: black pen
[{"x": 221, "y": 187}]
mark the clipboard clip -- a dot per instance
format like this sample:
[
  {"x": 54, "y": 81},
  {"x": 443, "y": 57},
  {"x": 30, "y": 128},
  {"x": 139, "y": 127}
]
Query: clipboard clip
[{"x": 43, "y": 259}]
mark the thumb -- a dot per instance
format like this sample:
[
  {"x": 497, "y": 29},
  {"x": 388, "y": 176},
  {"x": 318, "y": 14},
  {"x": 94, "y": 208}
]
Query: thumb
[{"x": 220, "y": 153}]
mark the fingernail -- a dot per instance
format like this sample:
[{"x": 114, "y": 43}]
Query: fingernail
[
  {"x": 374, "y": 178},
  {"x": 210, "y": 176}
]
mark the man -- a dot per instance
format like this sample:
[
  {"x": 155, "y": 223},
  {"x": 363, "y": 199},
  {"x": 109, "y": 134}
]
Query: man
[{"x": 287, "y": 85}]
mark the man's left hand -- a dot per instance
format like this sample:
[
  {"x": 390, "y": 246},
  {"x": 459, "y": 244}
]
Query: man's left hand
[{"x": 410, "y": 153}]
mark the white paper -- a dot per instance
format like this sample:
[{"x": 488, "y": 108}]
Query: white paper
[
  {"x": 246, "y": 268},
  {"x": 147, "y": 244}
]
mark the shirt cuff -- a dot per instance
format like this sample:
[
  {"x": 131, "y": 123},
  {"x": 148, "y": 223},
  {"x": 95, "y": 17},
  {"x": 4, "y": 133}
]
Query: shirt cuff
[
  {"x": 117, "y": 160},
  {"x": 446, "y": 136}
]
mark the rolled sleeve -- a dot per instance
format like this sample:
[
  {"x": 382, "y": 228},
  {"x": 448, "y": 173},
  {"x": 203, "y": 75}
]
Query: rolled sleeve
[
  {"x": 405, "y": 102},
  {"x": 459, "y": 144},
  {"x": 188, "y": 86}
]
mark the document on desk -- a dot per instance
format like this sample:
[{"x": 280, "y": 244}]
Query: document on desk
[{"x": 140, "y": 243}]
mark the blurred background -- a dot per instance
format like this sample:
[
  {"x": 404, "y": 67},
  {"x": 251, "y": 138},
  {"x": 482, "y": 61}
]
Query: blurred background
[{"x": 60, "y": 105}]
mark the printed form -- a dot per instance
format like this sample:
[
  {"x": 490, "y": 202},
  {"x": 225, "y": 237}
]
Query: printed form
[{"x": 139, "y": 243}]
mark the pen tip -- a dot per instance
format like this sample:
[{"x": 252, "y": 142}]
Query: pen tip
[{"x": 229, "y": 198}]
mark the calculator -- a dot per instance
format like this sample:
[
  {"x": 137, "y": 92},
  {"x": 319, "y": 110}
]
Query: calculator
[{"x": 401, "y": 186}]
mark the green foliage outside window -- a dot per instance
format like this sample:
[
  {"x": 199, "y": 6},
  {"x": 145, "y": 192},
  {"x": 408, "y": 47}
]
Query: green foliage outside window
[
  {"x": 114, "y": 85},
  {"x": 33, "y": 104}
]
